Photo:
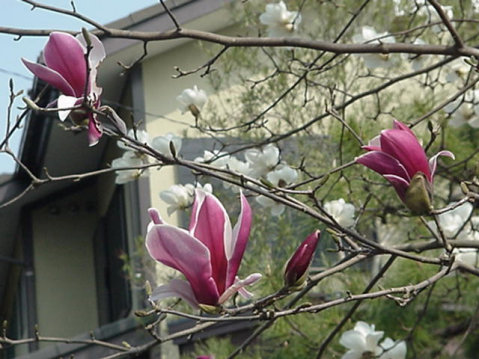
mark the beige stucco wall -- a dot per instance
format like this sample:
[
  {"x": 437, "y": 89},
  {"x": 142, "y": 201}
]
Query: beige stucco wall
[
  {"x": 161, "y": 106},
  {"x": 64, "y": 266}
]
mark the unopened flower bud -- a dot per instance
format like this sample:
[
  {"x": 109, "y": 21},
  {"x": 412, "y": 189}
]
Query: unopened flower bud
[
  {"x": 297, "y": 266},
  {"x": 86, "y": 36},
  {"x": 194, "y": 110}
]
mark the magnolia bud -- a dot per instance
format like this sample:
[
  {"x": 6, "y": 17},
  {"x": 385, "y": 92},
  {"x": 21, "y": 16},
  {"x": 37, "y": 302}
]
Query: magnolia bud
[
  {"x": 86, "y": 36},
  {"x": 297, "y": 266},
  {"x": 195, "y": 111},
  {"x": 417, "y": 197}
]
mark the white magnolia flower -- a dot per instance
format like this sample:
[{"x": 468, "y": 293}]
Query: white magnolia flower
[
  {"x": 192, "y": 100},
  {"x": 393, "y": 350},
  {"x": 180, "y": 197},
  {"x": 262, "y": 161},
  {"x": 342, "y": 212},
  {"x": 276, "y": 208},
  {"x": 162, "y": 144},
  {"x": 237, "y": 166},
  {"x": 452, "y": 222},
  {"x": 282, "y": 176},
  {"x": 458, "y": 71},
  {"x": 214, "y": 158},
  {"x": 369, "y": 35},
  {"x": 129, "y": 159},
  {"x": 363, "y": 339},
  {"x": 139, "y": 135},
  {"x": 279, "y": 21}
]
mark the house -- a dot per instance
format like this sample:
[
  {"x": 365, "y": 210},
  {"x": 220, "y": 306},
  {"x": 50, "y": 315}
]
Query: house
[{"x": 63, "y": 243}]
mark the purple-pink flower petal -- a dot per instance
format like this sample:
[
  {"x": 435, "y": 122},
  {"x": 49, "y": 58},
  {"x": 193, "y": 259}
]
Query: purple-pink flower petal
[
  {"x": 64, "y": 54},
  {"x": 176, "y": 288},
  {"x": 208, "y": 251},
  {"x": 50, "y": 76},
  {"x": 212, "y": 226},
  {"x": 300, "y": 261},
  {"x": 400, "y": 158},
  {"x": 234, "y": 250},
  {"x": 383, "y": 164},
  {"x": 399, "y": 184},
  {"x": 433, "y": 160},
  {"x": 155, "y": 216},
  {"x": 404, "y": 146},
  {"x": 95, "y": 130},
  {"x": 177, "y": 249},
  {"x": 401, "y": 126}
]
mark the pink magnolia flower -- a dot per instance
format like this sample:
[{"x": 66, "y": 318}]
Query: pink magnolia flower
[
  {"x": 66, "y": 69},
  {"x": 298, "y": 265},
  {"x": 397, "y": 155},
  {"x": 208, "y": 255}
]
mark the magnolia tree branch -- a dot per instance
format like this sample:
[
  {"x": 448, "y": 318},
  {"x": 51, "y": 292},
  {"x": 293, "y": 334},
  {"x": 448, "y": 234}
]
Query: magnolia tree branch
[
  {"x": 236, "y": 41},
  {"x": 305, "y": 76}
]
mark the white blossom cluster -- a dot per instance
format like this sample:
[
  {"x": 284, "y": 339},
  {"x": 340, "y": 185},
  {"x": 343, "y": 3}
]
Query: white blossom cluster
[
  {"x": 131, "y": 158},
  {"x": 459, "y": 223},
  {"x": 135, "y": 160},
  {"x": 264, "y": 164},
  {"x": 180, "y": 197},
  {"x": 363, "y": 342}
]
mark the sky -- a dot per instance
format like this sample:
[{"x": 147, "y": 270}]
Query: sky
[{"x": 16, "y": 13}]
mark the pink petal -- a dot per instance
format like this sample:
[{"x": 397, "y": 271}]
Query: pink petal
[
  {"x": 177, "y": 249},
  {"x": 235, "y": 248},
  {"x": 374, "y": 144},
  {"x": 155, "y": 216},
  {"x": 50, "y": 77},
  {"x": 239, "y": 286},
  {"x": 383, "y": 164},
  {"x": 404, "y": 146},
  {"x": 64, "y": 54},
  {"x": 401, "y": 126},
  {"x": 399, "y": 184},
  {"x": 433, "y": 160},
  {"x": 176, "y": 288},
  {"x": 95, "y": 130},
  {"x": 212, "y": 227}
]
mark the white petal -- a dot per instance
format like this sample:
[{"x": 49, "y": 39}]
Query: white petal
[{"x": 65, "y": 102}]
